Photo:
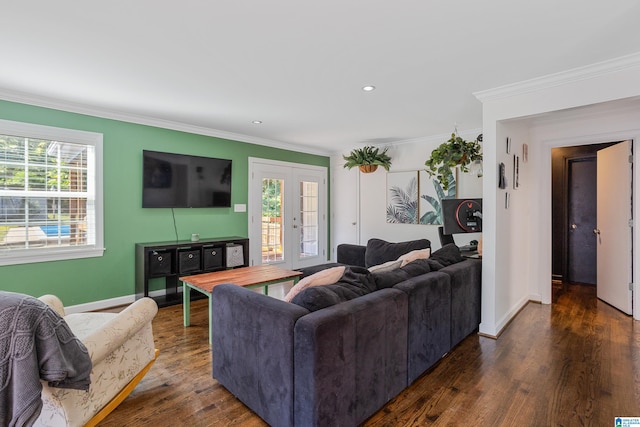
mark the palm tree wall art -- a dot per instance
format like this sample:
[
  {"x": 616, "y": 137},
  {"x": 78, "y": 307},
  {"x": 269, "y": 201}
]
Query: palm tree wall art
[{"x": 414, "y": 197}]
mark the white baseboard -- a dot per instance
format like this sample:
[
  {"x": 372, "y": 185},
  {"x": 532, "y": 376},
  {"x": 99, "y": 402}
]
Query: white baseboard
[{"x": 109, "y": 303}]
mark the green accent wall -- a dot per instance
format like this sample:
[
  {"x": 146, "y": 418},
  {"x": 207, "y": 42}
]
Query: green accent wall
[{"x": 125, "y": 221}]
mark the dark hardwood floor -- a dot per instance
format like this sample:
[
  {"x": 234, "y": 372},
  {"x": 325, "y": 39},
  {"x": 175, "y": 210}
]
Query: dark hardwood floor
[{"x": 575, "y": 362}]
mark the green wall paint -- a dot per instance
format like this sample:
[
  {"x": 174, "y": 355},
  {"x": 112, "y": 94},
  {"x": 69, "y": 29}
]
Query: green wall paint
[{"x": 125, "y": 222}]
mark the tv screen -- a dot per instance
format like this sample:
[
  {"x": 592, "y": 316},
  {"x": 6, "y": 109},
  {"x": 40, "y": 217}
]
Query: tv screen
[
  {"x": 462, "y": 215},
  {"x": 183, "y": 181}
]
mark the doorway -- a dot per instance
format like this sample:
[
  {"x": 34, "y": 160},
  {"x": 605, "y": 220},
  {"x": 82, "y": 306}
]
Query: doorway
[
  {"x": 587, "y": 181},
  {"x": 573, "y": 204}
]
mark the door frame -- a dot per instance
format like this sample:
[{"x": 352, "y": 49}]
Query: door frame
[
  {"x": 546, "y": 200},
  {"x": 561, "y": 226},
  {"x": 323, "y": 226}
]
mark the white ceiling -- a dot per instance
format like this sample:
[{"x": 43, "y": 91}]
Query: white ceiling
[{"x": 299, "y": 66}]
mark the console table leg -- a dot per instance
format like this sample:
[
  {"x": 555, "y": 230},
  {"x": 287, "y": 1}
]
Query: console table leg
[
  {"x": 186, "y": 304},
  {"x": 210, "y": 325}
]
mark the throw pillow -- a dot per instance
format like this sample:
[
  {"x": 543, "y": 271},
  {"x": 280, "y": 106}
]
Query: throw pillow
[
  {"x": 379, "y": 251},
  {"x": 321, "y": 278},
  {"x": 414, "y": 255},
  {"x": 387, "y": 266}
]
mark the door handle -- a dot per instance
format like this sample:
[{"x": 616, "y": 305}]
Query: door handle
[
  {"x": 573, "y": 226},
  {"x": 596, "y": 231}
]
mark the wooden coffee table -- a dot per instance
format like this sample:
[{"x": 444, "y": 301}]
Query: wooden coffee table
[{"x": 257, "y": 275}]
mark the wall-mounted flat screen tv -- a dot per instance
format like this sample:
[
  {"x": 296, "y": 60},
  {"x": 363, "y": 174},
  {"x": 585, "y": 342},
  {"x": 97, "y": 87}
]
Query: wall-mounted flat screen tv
[{"x": 183, "y": 181}]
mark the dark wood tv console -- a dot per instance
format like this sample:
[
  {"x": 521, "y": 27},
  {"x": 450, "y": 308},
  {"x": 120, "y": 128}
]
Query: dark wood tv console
[{"x": 173, "y": 259}]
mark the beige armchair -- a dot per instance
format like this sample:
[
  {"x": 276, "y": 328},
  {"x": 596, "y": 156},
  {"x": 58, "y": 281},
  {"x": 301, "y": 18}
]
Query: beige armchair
[{"x": 122, "y": 350}]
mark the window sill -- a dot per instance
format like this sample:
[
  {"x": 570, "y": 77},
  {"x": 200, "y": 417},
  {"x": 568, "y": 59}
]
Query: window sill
[{"x": 29, "y": 257}]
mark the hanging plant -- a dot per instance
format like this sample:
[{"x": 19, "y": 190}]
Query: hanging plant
[
  {"x": 451, "y": 154},
  {"x": 367, "y": 159}
]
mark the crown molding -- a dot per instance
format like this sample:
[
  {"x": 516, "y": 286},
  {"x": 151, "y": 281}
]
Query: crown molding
[
  {"x": 437, "y": 139},
  {"x": 71, "y": 107},
  {"x": 561, "y": 78}
]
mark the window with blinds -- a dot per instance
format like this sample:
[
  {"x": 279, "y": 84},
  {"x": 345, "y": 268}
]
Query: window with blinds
[{"x": 50, "y": 193}]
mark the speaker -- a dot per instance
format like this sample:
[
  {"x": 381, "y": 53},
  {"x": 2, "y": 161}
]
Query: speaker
[
  {"x": 188, "y": 260},
  {"x": 212, "y": 257},
  {"x": 235, "y": 255},
  {"x": 160, "y": 263}
]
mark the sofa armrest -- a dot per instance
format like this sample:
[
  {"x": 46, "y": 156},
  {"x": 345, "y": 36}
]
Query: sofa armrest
[
  {"x": 253, "y": 350},
  {"x": 104, "y": 340},
  {"x": 349, "y": 254},
  {"x": 53, "y": 302}
]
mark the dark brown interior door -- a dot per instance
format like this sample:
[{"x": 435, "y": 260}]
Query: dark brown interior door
[{"x": 582, "y": 204}]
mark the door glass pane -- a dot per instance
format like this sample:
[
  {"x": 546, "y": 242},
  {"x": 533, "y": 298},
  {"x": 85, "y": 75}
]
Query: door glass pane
[
  {"x": 308, "y": 219},
  {"x": 272, "y": 232}
]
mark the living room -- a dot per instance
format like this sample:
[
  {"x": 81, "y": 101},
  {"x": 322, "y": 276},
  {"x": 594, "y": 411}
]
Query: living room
[{"x": 590, "y": 100}]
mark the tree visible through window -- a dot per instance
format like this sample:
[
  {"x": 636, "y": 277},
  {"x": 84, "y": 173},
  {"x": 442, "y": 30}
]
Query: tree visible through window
[{"x": 47, "y": 191}]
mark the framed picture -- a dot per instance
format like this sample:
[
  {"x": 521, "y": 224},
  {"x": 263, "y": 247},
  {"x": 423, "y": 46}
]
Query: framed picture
[
  {"x": 431, "y": 195},
  {"x": 525, "y": 153},
  {"x": 402, "y": 197}
]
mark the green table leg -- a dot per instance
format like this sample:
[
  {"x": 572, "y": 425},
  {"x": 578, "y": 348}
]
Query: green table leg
[
  {"x": 210, "y": 326},
  {"x": 186, "y": 304}
]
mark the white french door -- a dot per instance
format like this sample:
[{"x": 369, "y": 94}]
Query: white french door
[{"x": 287, "y": 213}]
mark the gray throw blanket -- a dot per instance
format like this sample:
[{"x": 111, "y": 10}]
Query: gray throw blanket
[{"x": 35, "y": 343}]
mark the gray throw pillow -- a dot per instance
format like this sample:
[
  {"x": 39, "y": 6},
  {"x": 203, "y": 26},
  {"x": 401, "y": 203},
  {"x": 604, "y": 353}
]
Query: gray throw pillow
[{"x": 380, "y": 251}]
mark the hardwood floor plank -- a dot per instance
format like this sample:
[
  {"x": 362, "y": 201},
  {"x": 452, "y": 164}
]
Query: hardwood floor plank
[{"x": 574, "y": 362}]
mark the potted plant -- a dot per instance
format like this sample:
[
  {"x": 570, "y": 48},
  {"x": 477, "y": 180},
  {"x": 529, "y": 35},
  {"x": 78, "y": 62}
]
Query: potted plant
[
  {"x": 455, "y": 152},
  {"x": 367, "y": 159}
]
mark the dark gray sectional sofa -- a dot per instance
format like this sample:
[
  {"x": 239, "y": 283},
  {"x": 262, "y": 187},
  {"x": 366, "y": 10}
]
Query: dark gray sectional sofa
[{"x": 338, "y": 353}]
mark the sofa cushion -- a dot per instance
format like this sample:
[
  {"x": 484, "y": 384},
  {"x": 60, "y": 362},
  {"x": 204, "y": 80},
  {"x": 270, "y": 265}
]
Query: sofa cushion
[
  {"x": 388, "y": 279},
  {"x": 380, "y": 251},
  {"x": 321, "y": 278},
  {"x": 447, "y": 255},
  {"x": 417, "y": 268},
  {"x": 355, "y": 282}
]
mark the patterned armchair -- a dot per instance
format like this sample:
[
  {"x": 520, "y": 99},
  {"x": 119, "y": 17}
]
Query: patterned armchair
[{"x": 122, "y": 350}]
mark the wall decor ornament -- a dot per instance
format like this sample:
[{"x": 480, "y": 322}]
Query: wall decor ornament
[
  {"x": 402, "y": 197},
  {"x": 413, "y": 197}
]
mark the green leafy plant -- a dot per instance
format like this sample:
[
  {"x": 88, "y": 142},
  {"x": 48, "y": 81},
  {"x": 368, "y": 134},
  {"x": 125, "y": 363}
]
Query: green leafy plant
[
  {"x": 367, "y": 159},
  {"x": 455, "y": 152}
]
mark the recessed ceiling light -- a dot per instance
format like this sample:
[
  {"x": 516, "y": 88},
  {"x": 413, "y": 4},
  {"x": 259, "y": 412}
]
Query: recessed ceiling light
[
  {"x": 368, "y": 88},
  {"x": 257, "y": 122}
]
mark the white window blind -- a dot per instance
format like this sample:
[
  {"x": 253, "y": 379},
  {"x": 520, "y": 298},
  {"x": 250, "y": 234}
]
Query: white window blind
[{"x": 50, "y": 193}]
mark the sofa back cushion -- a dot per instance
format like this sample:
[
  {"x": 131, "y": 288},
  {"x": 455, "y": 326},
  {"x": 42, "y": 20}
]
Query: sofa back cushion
[
  {"x": 355, "y": 282},
  {"x": 380, "y": 251},
  {"x": 388, "y": 279},
  {"x": 447, "y": 255}
]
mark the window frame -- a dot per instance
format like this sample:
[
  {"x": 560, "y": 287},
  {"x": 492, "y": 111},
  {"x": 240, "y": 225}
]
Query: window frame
[{"x": 30, "y": 130}]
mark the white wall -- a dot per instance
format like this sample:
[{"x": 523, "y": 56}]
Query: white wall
[
  {"x": 591, "y": 104},
  {"x": 362, "y": 198}
]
